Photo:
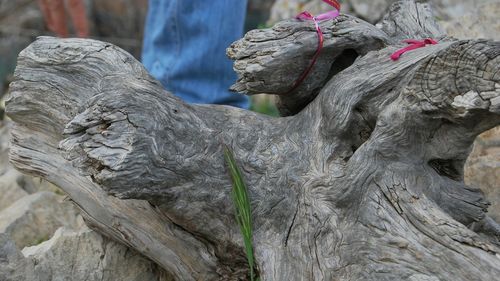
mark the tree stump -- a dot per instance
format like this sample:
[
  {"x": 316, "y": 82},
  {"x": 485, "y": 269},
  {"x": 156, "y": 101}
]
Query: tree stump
[{"x": 361, "y": 179}]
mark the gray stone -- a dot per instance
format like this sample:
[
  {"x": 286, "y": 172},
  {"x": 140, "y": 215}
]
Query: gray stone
[
  {"x": 451, "y": 9},
  {"x": 4, "y": 147},
  {"x": 481, "y": 22},
  {"x": 34, "y": 218},
  {"x": 13, "y": 184},
  {"x": 75, "y": 255},
  {"x": 372, "y": 10},
  {"x": 483, "y": 168},
  {"x": 86, "y": 255},
  {"x": 11, "y": 181},
  {"x": 10, "y": 190},
  {"x": 13, "y": 265}
]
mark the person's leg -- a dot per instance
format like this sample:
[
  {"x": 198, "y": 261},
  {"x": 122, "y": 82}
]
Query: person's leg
[
  {"x": 76, "y": 9},
  {"x": 185, "y": 45},
  {"x": 54, "y": 13}
]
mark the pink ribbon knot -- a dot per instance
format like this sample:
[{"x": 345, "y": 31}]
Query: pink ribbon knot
[
  {"x": 308, "y": 16},
  {"x": 414, "y": 44}
]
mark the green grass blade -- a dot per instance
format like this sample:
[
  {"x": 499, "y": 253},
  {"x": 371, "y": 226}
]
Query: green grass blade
[{"x": 242, "y": 204}]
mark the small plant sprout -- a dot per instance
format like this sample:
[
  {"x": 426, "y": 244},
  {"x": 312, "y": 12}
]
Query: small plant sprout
[{"x": 242, "y": 205}]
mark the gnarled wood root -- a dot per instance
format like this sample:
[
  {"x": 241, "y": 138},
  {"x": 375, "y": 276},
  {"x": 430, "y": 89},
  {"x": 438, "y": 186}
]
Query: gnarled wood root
[{"x": 363, "y": 182}]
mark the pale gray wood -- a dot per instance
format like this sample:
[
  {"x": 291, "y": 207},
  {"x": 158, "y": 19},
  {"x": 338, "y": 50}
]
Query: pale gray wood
[
  {"x": 270, "y": 61},
  {"x": 363, "y": 182},
  {"x": 408, "y": 19},
  {"x": 42, "y": 101}
]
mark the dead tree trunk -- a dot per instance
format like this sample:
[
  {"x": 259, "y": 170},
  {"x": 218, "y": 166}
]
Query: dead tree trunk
[{"x": 362, "y": 181}]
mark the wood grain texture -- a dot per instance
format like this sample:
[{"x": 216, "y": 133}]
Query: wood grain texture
[
  {"x": 270, "y": 61},
  {"x": 362, "y": 181}
]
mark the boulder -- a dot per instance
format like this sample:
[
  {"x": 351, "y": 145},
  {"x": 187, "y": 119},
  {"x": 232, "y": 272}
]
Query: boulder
[
  {"x": 372, "y": 10},
  {"x": 86, "y": 255},
  {"x": 34, "y": 218},
  {"x": 13, "y": 184},
  {"x": 4, "y": 147},
  {"x": 10, "y": 189},
  {"x": 483, "y": 168},
  {"x": 285, "y": 9},
  {"x": 75, "y": 255},
  {"x": 482, "y": 22},
  {"x": 36, "y": 184},
  {"x": 447, "y": 10},
  {"x": 31, "y": 211},
  {"x": 13, "y": 265},
  {"x": 10, "y": 180}
]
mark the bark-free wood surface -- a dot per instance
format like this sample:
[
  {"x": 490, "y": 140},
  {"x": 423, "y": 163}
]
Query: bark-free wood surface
[{"x": 363, "y": 180}]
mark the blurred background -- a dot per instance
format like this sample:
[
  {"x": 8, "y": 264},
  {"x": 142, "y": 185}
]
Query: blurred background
[{"x": 121, "y": 23}]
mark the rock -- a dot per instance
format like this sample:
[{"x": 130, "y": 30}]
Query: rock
[
  {"x": 484, "y": 172},
  {"x": 35, "y": 184},
  {"x": 447, "y": 10},
  {"x": 32, "y": 212},
  {"x": 86, "y": 255},
  {"x": 286, "y": 9},
  {"x": 10, "y": 190},
  {"x": 13, "y": 265},
  {"x": 4, "y": 147},
  {"x": 10, "y": 179},
  {"x": 13, "y": 184},
  {"x": 482, "y": 23},
  {"x": 75, "y": 255},
  {"x": 34, "y": 218},
  {"x": 483, "y": 168},
  {"x": 372, "y": 10}
]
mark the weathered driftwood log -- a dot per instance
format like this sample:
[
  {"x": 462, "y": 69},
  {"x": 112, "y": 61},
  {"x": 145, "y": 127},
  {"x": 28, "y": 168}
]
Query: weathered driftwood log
[{"x": 363, "y": 182}]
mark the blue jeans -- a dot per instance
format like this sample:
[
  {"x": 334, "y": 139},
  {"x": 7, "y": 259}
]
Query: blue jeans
[{"x": 185, "y": 45}]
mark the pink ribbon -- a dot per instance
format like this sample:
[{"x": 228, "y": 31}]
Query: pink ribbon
[
  {"x": 308, "y": 16},
  {"x": 414, "y": 44}
]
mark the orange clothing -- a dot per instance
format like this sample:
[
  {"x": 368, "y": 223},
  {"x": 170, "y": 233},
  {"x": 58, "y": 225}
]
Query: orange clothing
[{"x": 54, "y": 12}]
